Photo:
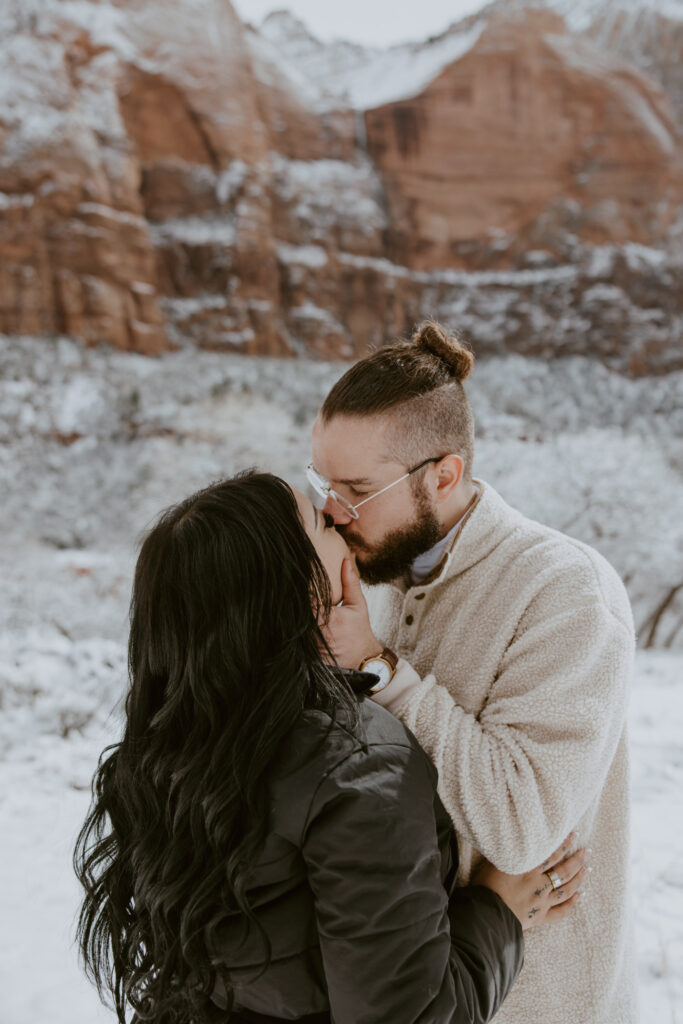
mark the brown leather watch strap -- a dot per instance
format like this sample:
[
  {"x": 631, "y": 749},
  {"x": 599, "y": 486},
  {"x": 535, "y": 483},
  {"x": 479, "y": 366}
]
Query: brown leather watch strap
[{"x": 388, "y": 655}]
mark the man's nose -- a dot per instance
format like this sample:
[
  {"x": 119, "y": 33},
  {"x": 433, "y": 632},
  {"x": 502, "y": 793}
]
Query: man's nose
[{"x": 340, "y": 515}]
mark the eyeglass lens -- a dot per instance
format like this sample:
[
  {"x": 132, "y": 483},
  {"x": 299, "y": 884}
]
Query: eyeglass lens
[{"x": 321, "y": 487}]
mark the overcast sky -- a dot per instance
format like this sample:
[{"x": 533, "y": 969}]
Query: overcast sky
[{"x": 374, "y": 22}]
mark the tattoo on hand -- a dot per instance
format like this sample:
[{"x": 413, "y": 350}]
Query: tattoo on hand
[
  {"x": 560, "y": 892},
  {"x": 534, "y": 910},
  {"x": 539, "y": 892}
]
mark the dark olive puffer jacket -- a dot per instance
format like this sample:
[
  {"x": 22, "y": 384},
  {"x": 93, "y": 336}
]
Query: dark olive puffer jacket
[{"x": 355, "y": 890}]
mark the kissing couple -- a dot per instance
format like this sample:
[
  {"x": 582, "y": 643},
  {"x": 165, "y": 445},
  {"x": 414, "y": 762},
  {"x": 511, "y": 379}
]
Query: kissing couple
[{"x": 340, "y": 803}]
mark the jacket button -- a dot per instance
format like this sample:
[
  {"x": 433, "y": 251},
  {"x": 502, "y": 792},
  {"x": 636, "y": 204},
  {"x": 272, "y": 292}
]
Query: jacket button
[{"x": 409, "y": 620}]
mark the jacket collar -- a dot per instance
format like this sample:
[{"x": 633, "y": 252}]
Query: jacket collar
[
  {"x": 360, "y": 682},
  {"x": 487, "y": 523}
]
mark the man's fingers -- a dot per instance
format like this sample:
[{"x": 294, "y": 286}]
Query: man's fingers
[
  {"x": 351, "y": 589},
  {"x": 327, "y": 628},
  {"x": 325, "y": 650}
]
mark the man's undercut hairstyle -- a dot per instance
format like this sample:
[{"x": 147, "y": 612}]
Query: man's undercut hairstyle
[{"x": 418, "y": 384}]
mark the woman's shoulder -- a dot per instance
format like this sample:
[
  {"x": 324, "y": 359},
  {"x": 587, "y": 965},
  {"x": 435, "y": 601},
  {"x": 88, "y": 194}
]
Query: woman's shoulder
[
  {"x": 334, "y": 737},
  {"x": 323, "y": 747}
]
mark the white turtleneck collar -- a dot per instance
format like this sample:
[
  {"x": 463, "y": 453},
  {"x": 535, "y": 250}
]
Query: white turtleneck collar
[{"x": 425, "y": 564}]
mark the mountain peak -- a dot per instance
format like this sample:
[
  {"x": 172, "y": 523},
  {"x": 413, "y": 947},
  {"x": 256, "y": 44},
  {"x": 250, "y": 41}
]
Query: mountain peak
[
  {"x": 283, "y": 24},
  {"x": 581, "y": 14}
]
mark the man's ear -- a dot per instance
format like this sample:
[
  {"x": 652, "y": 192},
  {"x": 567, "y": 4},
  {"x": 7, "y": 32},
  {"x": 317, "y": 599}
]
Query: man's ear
[{"x": 449, "y": 473}]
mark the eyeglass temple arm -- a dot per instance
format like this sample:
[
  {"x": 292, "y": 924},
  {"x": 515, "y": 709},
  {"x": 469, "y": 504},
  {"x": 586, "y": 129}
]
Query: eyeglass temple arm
[
  {"x": 394, "y": 482},
  {"x": 327, "y": 491}
]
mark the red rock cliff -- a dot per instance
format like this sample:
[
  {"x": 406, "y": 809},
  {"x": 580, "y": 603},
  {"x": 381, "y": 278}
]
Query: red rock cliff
[
  {"x": 168, "y": 176},
  {"x": 530, "y": 134}
]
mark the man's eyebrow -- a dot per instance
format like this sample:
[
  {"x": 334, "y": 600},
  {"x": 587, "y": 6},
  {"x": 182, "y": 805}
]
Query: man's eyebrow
[{"x": 355, "y": 480}]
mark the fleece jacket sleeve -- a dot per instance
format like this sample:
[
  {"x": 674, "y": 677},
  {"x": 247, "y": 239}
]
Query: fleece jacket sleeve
[{"x": 517, "y": 777}]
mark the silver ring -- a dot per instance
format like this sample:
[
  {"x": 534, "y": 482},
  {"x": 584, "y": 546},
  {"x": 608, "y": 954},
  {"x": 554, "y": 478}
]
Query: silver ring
[{"x": 554, "y": 879}]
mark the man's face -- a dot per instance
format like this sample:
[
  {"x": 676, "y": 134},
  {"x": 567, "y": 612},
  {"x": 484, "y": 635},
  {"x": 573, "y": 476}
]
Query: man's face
[{"x": 395, "y": 527}]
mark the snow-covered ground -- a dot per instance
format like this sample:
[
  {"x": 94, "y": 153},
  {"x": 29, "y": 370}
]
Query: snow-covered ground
[
  {"x": 43, "y": 799},
  {"x": 94, "y": 443}
]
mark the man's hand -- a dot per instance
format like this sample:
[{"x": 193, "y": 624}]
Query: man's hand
[{"x": 348, "y": 631}]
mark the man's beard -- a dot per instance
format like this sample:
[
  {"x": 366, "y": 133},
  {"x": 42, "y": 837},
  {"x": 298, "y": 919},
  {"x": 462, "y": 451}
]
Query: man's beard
[{"x": 395, "y": 554}]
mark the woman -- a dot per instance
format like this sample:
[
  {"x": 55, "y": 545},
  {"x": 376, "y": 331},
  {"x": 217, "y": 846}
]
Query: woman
[{"x": 265, "y": 844}]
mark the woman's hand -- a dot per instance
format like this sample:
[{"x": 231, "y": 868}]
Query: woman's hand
[{"x": 532, "y": 896}]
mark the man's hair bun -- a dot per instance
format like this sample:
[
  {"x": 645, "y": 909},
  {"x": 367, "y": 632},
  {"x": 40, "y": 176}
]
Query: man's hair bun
[{"x": 430, "y": 336}]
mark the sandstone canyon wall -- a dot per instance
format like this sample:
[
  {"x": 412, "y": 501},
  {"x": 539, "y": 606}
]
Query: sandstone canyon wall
[
  {"x": 169, "y": 176},
  {"x": 528, "y": 137}
]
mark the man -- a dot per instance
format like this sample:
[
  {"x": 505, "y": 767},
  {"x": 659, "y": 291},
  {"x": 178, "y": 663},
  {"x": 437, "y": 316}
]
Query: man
[{"x": 504, "y": 645}]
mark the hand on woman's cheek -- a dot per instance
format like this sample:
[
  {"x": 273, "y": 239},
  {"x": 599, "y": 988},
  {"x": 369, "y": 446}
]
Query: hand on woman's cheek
[
  {"x": 337, "y": 585},
  {"x": 348, "y": 632},
  {"x": 334, "y": 573}
]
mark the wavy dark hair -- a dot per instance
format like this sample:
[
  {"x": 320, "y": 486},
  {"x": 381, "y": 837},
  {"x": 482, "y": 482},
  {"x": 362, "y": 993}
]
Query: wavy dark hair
[{"x": 224, "y": 657}]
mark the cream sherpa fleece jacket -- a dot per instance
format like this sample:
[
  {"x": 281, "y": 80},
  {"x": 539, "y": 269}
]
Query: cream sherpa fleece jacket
[{"x": 516, "y": 662}]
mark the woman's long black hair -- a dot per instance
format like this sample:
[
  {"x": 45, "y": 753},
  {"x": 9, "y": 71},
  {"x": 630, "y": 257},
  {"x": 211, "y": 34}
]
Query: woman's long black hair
[{"x": 224, "y": 657}]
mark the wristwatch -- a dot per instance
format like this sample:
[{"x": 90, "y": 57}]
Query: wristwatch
[{"x": 382, "y": 665}]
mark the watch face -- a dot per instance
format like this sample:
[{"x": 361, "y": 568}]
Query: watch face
[{"x": 381, "y": 669}]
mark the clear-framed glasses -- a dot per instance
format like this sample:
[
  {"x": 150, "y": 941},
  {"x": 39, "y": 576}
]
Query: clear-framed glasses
[{"x": 322, "y": 487}]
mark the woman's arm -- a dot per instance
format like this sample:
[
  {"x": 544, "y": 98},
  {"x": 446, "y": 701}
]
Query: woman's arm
[{"x": 384, "y": 920}]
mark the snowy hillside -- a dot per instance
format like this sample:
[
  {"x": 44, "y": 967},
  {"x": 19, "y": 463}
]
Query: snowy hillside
[{"x": 93, "y": 443}]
